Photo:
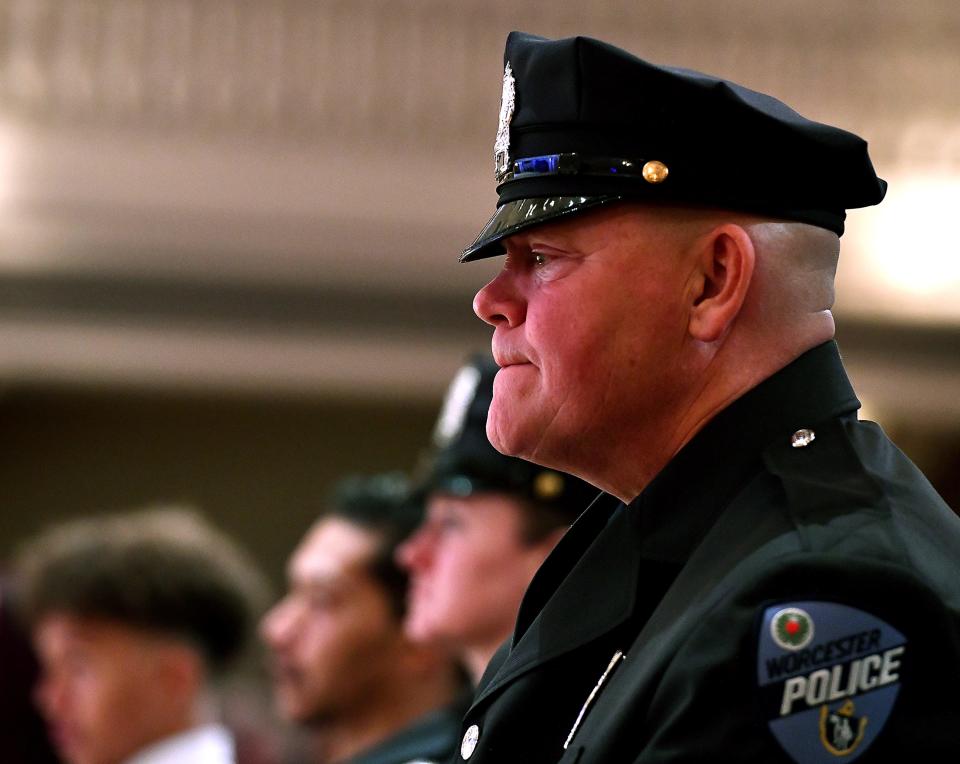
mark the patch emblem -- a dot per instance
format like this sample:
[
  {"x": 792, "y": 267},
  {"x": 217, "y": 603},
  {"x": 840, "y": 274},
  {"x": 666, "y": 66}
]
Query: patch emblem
[
  {"x": 792, "y": 628},
  {"x": 840, "y": 731},
  {"x": 456, "y": 404},
  {"x": 828, "y": 676},
  {"x": 501, "y": 146}
]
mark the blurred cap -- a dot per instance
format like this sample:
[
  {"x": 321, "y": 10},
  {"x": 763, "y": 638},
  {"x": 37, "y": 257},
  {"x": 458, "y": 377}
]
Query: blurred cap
[
  {"x": 585, "y": 124},
  {"x": 384, "y": 501},
  {"x": 462, "y": 462}
]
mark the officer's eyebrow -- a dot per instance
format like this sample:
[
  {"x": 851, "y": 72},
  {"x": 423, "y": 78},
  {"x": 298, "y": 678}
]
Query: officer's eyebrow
[
  {"x": 512, "y": 244},
  {"x": 442, "y": 506},
  {"x": 317, "y": 579},
  {"x": 309, "y": 575},
  {"x": 323, "y": 585},
  {"x": 543, "y": 238}
]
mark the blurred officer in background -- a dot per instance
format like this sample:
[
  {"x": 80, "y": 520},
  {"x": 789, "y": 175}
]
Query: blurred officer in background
[
  {"x": 342, "y": 665},
  {"x": 769, "y": 578},
  {"x": 134, "y": 617},
  {"x": 491, "y": 520},
  {"x": 23, "y": 739}
]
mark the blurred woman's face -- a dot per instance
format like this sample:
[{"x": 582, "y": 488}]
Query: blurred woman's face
[{"x": 469, "y": 567}]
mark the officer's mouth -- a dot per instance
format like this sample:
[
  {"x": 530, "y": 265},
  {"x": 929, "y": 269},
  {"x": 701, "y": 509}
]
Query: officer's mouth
[
  {"x": 419, "y": 592},
  {"x": 285, "y": 673},
  {"x": 62, "y": 737},
  {"x": 506, "y": 359}
]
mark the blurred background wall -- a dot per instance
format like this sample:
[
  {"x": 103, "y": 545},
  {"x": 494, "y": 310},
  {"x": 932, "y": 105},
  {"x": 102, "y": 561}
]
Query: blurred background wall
[{"x": 229, "y": 230}]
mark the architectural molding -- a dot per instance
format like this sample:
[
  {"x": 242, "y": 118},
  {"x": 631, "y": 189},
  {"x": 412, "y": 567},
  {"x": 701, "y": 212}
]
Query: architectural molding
[
  {"x": 295, "y": 171},
  {"x": 416, "y": 73}
]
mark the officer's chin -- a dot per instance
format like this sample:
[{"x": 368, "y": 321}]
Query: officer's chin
[{"x": 503, "y": 431}]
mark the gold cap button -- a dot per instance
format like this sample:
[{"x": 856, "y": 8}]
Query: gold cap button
[
  {"x": 655, "y": 172},
  {"x": 547, "y": 485}
]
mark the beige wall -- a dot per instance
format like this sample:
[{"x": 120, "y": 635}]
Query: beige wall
[
  {"x": 257, "y": 467},
  {"x": 228, "y": 230}
]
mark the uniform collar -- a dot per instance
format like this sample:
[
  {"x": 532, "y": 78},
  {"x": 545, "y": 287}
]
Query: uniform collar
[
  {"x": 429, "y": 738},
  {"x": 595, "y": 561},
  {"x": 208, "y": 744},
  {"x": 681, "y": 504}
]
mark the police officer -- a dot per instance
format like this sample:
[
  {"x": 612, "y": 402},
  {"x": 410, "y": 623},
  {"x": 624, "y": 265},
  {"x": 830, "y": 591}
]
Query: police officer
[
  {"x": 491, "y": 520},
  {"x": 768, "y": 579},
  {"x": 342, "y": 667},
  {"x": 136, "y": 618}
]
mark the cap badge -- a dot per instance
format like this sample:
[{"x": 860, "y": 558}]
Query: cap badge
[
  {"x": 501, "y": 146},
  {"x": 655, "y": 172},
  {"x": 456, "y": 404}
]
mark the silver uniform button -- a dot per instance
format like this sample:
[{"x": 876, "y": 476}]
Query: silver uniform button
[
  {"x": 802, "y": 438},
  {"x": 469, "y": 744}
]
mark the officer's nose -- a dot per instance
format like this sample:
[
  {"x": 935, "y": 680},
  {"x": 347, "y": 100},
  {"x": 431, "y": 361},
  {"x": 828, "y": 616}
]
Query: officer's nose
[
  {"x": 276, "y": 625},
  {"x": 499, "y": 303},
  {"x": 49, "y": 695},
  {"x": 414, "y": 554}
]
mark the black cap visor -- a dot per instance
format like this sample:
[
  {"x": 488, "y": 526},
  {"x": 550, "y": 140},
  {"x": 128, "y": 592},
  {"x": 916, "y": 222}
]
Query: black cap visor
[{"x": 520, "y": 214}]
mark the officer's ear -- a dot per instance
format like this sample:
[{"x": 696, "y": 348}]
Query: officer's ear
[
  {"x": 179, "y": 671},
  {"x": 723, "y": 260}
]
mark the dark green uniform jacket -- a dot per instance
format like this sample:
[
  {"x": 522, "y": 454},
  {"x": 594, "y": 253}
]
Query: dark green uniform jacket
[
  {"x": 787, "y": 589},
  {"x": 427, "y": 741}
]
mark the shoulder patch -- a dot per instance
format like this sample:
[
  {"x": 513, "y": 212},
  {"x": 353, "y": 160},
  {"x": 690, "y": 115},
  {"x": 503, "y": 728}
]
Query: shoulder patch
[{"x": 828, "y": 676}]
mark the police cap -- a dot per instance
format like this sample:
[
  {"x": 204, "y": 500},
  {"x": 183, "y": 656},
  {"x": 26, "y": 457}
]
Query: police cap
[
  {"x": 462, "y": 462},
  {"x": 583, "y": 124}
]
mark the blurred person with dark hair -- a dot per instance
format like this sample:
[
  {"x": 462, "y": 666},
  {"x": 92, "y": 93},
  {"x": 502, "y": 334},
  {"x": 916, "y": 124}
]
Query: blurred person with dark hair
[
  {"x": 134, "y": 617},
  {"x": 343, "y": 667},
  {"x": 491, "y": 521},
  {"x": 22, "y": 736}
]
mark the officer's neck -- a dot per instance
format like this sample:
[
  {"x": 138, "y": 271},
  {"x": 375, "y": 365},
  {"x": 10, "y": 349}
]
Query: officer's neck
[{"x": 724, "y": 376}]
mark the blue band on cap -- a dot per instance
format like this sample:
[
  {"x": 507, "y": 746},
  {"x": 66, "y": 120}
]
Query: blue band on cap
[
  {"x": 539, "y": 165},
  {"x": 574, "y": 164}
]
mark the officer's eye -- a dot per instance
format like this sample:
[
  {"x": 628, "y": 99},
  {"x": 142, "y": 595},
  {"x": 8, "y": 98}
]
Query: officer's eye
[
  {"x": 320, "y": 598},
  {"x": 318, "y": 601},
  {"x": 548, "y": 265},
  {"x": 448, "y": 522}
]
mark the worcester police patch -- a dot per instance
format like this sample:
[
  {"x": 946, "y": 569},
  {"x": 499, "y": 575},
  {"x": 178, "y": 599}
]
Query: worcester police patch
[{"x": 828, "y": 676}]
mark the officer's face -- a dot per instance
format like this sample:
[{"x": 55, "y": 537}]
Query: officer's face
[
  {"x": 588, "y": 321},
  {"x": 107, "y": 689},
  {"x": 469, "y": 566},
  {"x": 335, "y": 640}
]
